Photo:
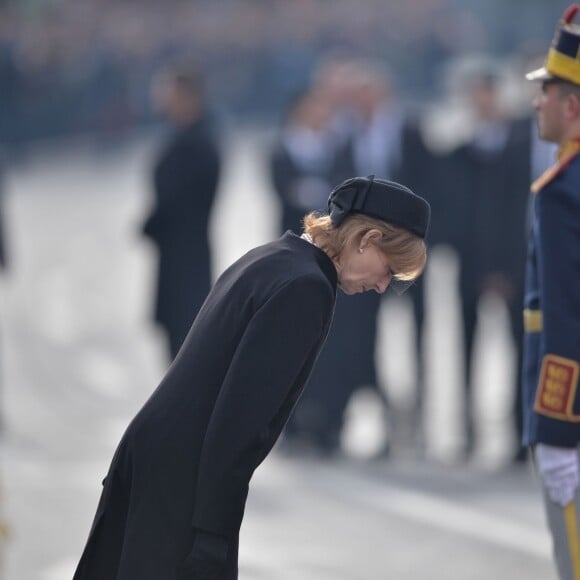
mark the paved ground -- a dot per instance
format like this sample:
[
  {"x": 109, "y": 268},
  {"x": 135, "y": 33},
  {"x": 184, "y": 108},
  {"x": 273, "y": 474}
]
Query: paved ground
[{"x": 79, "y": 358}]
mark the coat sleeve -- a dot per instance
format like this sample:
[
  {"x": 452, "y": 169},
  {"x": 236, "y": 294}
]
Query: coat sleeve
[
  {"x": 557, "y": 400},
  {"x": 282, "y": 338}
]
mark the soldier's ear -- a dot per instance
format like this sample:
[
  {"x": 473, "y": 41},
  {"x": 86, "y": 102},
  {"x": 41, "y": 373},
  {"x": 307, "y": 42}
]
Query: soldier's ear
[
  {"x": 572, "y": 105},
  {"x": 576, "y": 104}
]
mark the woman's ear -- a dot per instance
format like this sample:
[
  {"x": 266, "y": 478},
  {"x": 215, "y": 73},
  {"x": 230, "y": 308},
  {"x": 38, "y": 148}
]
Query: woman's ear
[{"x": 373, "y": 236}]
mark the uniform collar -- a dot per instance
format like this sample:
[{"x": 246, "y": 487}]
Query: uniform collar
[
  {"x": 566, "y": 154},
  {"x": 570, "y": 148}
]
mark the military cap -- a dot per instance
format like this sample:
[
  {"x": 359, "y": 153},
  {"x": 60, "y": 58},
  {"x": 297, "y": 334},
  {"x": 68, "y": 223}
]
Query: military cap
[
  {"x": 381, "y": 199},
  {"x": 563, "y": 60}
]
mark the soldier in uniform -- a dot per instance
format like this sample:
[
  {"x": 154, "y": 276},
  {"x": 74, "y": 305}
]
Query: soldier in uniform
[
  {"x": 174, "y": 497},
  {"x": 552, "y": 300}
]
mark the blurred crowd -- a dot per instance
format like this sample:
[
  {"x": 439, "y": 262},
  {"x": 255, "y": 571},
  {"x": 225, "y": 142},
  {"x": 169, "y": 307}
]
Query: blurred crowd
[
  {"x": 85, "y": 65},
  {"x": 356, "y": 89},
  {"x": 350, "y": 119},
  {"x": 428, "y": 93}
]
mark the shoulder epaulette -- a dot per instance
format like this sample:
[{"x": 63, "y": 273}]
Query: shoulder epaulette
[{"x": 551, "y": 173}]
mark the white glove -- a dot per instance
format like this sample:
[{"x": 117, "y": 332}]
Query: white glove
[{"x": 560, "y": 471}]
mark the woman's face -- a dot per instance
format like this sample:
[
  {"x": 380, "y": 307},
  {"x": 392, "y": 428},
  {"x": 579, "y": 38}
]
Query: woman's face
[{"x": 364, "y": 267}]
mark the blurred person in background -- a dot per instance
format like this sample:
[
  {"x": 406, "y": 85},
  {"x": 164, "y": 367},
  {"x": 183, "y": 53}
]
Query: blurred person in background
[
  {"x": 303, "y": 159},
  {"x": 385, "y": 139},
  {"x": 174, "y": 497},
  {"x": 303, "y": 165},
  {"x": 317, "y": 424},
  {"x": 488, "y": 177},
  {"x": 422, "y": 168},
  {"x": 334, "y": 80},
  {"x": 552, "y": 299},
  {"x": 374, "y": 143},
  {"x": 185, "y": 181}
]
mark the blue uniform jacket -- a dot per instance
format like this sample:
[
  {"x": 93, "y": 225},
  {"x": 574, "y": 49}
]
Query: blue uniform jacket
[{"x": 552, "y": 309}]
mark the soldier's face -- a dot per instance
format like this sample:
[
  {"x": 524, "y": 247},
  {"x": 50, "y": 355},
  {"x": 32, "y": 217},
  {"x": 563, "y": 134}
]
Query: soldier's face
[
  {"x": 551, "y": 114},
  {"x": 364, "y": 271}
]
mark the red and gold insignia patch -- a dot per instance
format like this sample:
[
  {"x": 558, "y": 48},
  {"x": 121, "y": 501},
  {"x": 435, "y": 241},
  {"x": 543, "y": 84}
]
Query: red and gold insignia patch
[{"x": 557, "y": 388}]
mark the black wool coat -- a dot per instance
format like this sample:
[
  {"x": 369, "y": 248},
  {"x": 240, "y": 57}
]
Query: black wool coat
[
  {"x": 185, "y": 178},
  {"x": 185, "y": 461}
]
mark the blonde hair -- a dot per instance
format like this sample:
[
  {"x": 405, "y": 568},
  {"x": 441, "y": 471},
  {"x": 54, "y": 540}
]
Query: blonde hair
[{"x": 407, "y": 252}]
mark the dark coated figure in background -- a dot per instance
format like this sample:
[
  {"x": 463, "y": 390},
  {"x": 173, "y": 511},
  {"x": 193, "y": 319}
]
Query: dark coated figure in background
[
  {"x": 384, "y": 139},
  {"x": 185, "y": 182},
  {"x": 302, "y": 164},
  {"x": 488, "y": 181},
  {"x": 174, "y": 497}
]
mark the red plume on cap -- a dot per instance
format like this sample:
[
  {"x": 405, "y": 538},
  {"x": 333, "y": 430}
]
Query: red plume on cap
[{"x": 570, "y": 13}]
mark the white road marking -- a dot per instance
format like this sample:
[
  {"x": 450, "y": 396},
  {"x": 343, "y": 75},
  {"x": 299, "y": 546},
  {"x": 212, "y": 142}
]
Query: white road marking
[
  {"x": 428, "y": 509},
  {"x": 106, "y": 374},
  {"x": 64, "y": 568}
]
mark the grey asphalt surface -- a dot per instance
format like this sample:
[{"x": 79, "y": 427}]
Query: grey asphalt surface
[{"x": 79, "y": 357}]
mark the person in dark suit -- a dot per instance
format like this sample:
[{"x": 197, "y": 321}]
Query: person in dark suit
[
  {"x": 174, "y": 497},
  {"x": 185, "y": 183},
  {"x": 489, "y": 198},
  {"x": 385, "y": 140},
  {"x": 551, "y": 372},
  {"x": 302, "y": 163},
  {"x": 302, "y": 166},
  {"x": 423, "y": 169}
]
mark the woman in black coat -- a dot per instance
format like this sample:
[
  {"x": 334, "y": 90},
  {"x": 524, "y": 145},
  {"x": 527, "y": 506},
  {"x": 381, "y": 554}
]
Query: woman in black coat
[{"x": 174, "y": 497}]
